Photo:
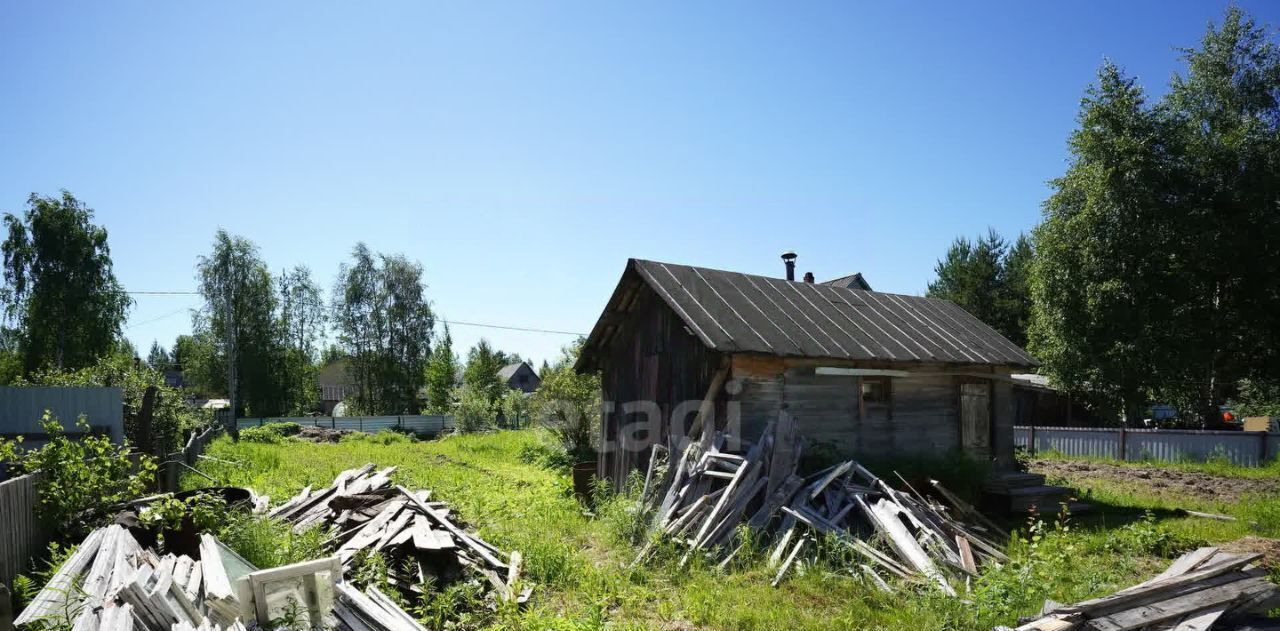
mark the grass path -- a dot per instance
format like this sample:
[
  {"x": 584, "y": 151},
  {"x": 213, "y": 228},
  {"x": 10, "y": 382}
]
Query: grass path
[{"x": 578, "y": 560}]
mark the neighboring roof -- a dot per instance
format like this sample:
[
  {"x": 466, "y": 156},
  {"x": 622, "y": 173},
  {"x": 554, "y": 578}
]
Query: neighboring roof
[
  {"x": 1032, "y": 380},
  {"x": 852, "y": 281},
  {"x": 509, "y": 371},
  {"x": 743, "y": 313}
]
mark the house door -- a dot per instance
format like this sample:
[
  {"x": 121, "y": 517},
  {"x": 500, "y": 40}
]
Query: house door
[{"x": 975, "y": 419}]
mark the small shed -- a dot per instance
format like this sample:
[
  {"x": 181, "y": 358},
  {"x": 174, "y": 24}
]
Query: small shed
[{"x": 860, "y": 372}]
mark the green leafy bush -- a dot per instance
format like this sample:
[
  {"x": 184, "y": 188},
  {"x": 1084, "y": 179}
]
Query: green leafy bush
[
  {"x": 272, "y": 433},
  {"x": 1149, "y": 537},
  {"x": 473, "y": 412},
  {"x": 546, "y": 454},
  {"x": 78, "y": 475},
  {"x": 171, "y": 418},
  {"x": 386, "y": 437},
  {"x": 208, "y": 513},
  {"x": 568, "y": 404},
  {"x": 514, "y": 405}
]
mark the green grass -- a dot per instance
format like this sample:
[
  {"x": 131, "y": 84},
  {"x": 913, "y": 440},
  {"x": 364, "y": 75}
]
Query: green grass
[{"x": 578, "y": 560}]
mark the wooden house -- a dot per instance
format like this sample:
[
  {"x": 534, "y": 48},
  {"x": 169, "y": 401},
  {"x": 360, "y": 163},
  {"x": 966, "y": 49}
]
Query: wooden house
[
  {"x": 520, "y": 376},
  {"x": 861, "y": 373}
]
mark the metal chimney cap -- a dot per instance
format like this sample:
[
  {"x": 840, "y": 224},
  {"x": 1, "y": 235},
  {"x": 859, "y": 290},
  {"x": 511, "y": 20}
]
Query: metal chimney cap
[{"x": 789, "y": 256}]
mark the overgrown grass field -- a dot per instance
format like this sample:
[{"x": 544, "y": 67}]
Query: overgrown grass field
[{"x": 502, "y": 484}]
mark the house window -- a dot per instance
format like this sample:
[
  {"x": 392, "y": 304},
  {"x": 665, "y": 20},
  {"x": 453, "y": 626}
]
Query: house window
[{"x": 875, "y": 389}]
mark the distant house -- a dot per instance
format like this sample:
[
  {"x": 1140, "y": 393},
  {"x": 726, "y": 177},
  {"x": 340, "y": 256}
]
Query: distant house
[
  {"x": 174, "y": 378},
  {"x": 520, "y": 376},
  {"x": 335, "y": 385}
]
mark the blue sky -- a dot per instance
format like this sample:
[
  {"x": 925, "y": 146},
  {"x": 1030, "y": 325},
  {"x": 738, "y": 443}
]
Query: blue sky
[{"x": 523, "y": 151}]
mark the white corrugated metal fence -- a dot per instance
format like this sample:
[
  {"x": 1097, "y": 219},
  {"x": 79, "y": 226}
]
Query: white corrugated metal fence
[
  {"x": 1248, "y": 449},
  {"x": 429, "y": 424}
]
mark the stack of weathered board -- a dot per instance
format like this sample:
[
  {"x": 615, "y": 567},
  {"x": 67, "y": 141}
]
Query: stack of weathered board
[
  {"x": 712, "y": 491},
  {"x": 121, "y": 585},
  {"x": 1198, "y": 591},
  {"x": 111, "y": 583},
  {"x": 418, "y": 537}
]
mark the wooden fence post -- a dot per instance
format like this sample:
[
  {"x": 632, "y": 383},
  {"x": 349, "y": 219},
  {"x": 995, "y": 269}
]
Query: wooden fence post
[
  {"x": 145, "y": 413},
  {"x": 1124, "y": 444},
  {"x": 1031, "y": 440}
]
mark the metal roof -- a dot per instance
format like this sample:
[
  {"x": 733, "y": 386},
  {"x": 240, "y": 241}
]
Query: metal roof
[{"x": 743, "y": 313}]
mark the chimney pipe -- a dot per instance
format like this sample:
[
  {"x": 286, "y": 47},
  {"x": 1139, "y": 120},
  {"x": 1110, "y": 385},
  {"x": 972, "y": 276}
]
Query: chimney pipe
[
  {"x": 789, "y": 259},
  {"x": 808, "y": 277}
]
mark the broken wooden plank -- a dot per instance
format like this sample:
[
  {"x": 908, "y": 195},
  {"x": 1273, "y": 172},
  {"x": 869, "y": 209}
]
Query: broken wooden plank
[
  {"x": 966, "y": 555},
  {"x": 454, "y": 530}
]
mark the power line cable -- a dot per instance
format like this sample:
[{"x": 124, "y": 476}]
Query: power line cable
[
  {"x": 158, "y": 318},
  {"x": 449, "y": 322},
  {"x": 513, "y": 328}
]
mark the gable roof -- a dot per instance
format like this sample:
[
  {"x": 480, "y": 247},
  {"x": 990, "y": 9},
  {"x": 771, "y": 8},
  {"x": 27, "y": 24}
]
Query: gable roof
[
  {"x": 509, "y": 371},
  {"x": 852, "y": 281},
  {"x": 744, "y": 313}
]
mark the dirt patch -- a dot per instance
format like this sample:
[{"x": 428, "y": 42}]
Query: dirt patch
[
  {"x": 1269, "y": 548},
  {"x": 322, "y": 434},
  {"x": 1160, "y": 481}
]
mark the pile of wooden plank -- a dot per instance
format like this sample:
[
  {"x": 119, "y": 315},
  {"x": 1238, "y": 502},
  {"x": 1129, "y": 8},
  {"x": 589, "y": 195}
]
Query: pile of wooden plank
[
  {"x": 120, "y": 585},
  {"x": 371, "y": 609},
  {"x": 1201, "y": 590},
  {"x": 419, "y": 537},
  {"x": 905, "y": 537},
  {"x": 111, "y": 583}
]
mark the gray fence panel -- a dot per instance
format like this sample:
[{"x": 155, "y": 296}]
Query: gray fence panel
[
  {"x": 21, "y": 408},
  {"x": 1249, "y": 449},
  {"x": 422, "y": 424},
  {"x": 1242, "y": 448},
  {"x": 21, "y": 537},
  {"x": 1076, "y": 441},
  {"x": 428, "y": 424}
]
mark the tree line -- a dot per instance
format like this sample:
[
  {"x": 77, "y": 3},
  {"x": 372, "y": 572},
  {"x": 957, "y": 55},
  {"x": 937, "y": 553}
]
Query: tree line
[
  {"x": 64, "y": 312},
  {"x": 1154, "y": 273}
]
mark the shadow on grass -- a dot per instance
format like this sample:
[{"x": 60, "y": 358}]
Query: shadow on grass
[{"x": 1101, "y": 515}]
